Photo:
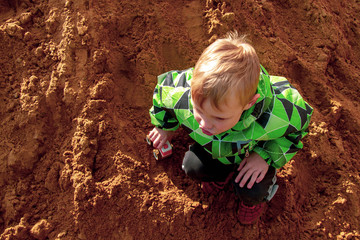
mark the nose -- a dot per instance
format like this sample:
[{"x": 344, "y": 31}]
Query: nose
[{"x": 204, "y": 123}]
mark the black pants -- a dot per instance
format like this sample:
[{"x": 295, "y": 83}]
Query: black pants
[{"x": 198, "y": 164}]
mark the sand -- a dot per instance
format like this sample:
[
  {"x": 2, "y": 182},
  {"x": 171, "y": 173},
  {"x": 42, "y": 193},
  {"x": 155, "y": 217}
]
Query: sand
[{"x": 76, "y": 81}]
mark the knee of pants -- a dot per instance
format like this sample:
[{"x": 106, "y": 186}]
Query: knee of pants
[
  {"x": 260, "y": 191},
  {"x": 251, "y": 196},
  {"x": 192, "y": 165}
]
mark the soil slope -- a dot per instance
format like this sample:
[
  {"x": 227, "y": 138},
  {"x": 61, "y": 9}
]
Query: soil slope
[{"x": 76, "y": 80}]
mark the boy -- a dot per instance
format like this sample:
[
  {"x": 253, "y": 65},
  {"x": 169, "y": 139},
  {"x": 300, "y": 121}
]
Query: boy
[{"x": 245, "y": 123}]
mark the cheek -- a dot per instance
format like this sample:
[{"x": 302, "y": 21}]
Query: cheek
[{"x": 224, "y": 126}]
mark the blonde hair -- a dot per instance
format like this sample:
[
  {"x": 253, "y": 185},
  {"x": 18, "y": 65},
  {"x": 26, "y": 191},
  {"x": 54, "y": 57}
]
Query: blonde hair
[{"x": 227, "y": 64}]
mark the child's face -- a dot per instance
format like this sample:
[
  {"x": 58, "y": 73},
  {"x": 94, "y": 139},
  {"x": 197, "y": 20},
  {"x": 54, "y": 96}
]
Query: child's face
[{"x": 213, "y": 121}]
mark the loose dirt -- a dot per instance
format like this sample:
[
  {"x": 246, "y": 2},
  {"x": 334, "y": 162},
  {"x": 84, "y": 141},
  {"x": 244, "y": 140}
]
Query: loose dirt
[{"x": 76, "y": 81}]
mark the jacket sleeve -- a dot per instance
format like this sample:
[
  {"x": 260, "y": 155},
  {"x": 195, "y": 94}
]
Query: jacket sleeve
[
  {"x": 161, "y": 116},
  {"x": 279, "y": 151},
  {"x": 284, "y": 141}
]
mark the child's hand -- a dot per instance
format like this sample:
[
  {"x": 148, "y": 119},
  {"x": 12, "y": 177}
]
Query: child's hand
[
  {"x": 159, "y": 137},
  {"x": 255, "y": 167}
]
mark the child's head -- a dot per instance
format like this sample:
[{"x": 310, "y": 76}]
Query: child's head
[
  {"x": 228, "y": 64},
  {"x": 225, "y": 79}
]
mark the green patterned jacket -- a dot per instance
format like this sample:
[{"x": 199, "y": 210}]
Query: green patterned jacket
[{"x": 273, "y": 127}]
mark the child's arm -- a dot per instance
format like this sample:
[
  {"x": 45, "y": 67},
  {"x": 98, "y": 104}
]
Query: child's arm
[
  {"x": 168, "y": 101},
  {"x": 277, "y": 152},
  {"x": 160, "y": 115},
  {"x": 254, "y": 168}
]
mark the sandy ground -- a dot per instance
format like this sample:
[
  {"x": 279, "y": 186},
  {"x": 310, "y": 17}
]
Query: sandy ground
[{"x": 76, "y": 80}]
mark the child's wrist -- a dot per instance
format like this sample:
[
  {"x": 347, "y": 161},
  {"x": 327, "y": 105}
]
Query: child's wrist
[{"x": 263, "y": 154}]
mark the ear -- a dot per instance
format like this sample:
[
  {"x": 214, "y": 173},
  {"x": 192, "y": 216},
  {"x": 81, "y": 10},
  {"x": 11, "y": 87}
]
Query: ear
[{"x": 252, "y": 101}]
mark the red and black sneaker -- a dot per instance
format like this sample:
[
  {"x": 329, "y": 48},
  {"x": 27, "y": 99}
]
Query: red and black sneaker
[
  {"x": 215, "y": 187},
  {"x": 249, "y": 214}
]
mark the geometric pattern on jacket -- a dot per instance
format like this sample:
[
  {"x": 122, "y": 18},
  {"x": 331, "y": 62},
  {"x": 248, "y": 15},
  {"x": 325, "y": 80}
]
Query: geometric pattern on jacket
[{"x": 273, "y": 127}]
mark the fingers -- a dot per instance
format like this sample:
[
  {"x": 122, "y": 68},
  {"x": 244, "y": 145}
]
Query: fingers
[
  {"x": 242, "y": 164},
  {"x": 252, "y": 170},
  {"x": 254, "y": 178},
  {"x": 240, "y": 175},
  {"x": 157, "y": 139},
  {"x": 261, "y": 177},
  {"x": 243, "y": 168},
  {"x": 246, "y": 177},
  {"x": 162, "y": 142},
  {"x": 152, "y": 134},
  {"x": 247, "y": 173}
]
